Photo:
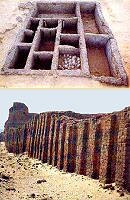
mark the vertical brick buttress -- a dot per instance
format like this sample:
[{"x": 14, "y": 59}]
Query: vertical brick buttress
[{"x": 98, "y": 147}]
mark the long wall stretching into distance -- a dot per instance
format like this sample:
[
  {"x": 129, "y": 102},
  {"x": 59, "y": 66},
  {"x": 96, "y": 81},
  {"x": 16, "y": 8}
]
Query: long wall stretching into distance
[{"x": 94, "y": 145}]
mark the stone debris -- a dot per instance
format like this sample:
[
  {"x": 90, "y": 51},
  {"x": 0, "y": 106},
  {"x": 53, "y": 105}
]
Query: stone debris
[
  {"x": 33, "y": 195},
  {"x": 89, "y": 196},
  {"x": 41, "y": 181},
  {"x": 5, "y": 177},
  {"x": 121, "y": 192},
  {"x": 11, "y": 189},
  {"x": 23, "y": 185},
  {"x": 69, "y": 62}
]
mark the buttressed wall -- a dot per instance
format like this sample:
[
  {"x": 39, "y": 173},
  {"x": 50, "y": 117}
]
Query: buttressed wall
[{"x": 94, "y": 145}]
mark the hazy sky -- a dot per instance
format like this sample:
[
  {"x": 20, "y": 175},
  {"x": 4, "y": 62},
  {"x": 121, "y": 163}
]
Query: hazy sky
[{"x": 83, "y": 101}]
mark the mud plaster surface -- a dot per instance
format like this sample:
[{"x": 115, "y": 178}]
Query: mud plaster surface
[
  {"x": 113, "y": 12},
  {"x": 96, "y": 58},
  {"x": 25, "y": 173},
  {"x": 46, "y": 45},
  {"x": 56, "y": 15},
  {"x": 89, "y": 23}
]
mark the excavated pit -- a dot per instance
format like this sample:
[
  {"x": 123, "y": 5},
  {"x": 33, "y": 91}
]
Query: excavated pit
[
  {"x": 69, "y": 27},
  {"x": 33, "y": 24},
  {"x": 77, "y": 29},
  {"x": 50, "y": 23},
  {"x": 21, "y": 58},
  {"x": 28, "y": 37},
  {"x": 98, "y": 61},
  {"x": 69, "y": 62},
  {"x": 41, "y": 62},
  {"x": 72, "y": 42},
  {"x": 88, "y": 15},
  {"x": 47, "y": 41},
  {"x": 89, "y": 23},
  {"x": 55, "y": 10}
]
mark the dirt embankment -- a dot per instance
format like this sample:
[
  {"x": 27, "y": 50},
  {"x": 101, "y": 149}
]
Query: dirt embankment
[
  {"x": 25, "y": 178},
  {"x": 12, "y": 16}
]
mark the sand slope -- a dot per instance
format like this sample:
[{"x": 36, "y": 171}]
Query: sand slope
[{"x": 23, "y": 174}]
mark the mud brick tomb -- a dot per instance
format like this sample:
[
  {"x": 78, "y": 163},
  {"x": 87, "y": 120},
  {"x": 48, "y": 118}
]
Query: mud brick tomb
[
  {"x": 66, "y": 39},
  {"x": 95, "y": 145}
]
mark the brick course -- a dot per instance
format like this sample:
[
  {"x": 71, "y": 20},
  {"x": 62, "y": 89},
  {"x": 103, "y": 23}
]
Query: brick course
[{"x": 94, "y": 145}]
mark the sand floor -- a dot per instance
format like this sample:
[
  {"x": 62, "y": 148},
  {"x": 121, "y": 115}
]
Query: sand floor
[
  {"x": 23, "y": 174},
  {"x": 117, "y": 15}
]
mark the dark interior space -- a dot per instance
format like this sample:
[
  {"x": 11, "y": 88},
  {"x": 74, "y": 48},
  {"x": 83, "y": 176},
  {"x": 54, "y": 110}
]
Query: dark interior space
[
  {"x": 68, "y": 41},
  {"x": 47, "y": 41},
  {"x": 69, "y": 28},
  {"x": 50, "y": 24},
  {"x": 28, "y": 38},
  {"x": 33, "y": 25},
  {"x": 21, "y": 58},
  {"x": 42, "y": 63}
]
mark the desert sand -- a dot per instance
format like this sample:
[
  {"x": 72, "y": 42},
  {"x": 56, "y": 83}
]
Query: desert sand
[
  {"x": 25, "y": 178},
  {"x": 116, "y": 13}
]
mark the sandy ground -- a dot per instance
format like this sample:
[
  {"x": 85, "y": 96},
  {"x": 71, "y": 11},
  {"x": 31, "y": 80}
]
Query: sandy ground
[
  {"x": 19, "y": 176},
  {"x": 116, "y": 13}
]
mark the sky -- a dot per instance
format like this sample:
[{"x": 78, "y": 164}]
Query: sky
[{"x": 82, "y": 101}]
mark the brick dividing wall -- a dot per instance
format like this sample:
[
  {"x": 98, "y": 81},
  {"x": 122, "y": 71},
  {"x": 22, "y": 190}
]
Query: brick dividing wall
[{"x": 96, "y": 146}]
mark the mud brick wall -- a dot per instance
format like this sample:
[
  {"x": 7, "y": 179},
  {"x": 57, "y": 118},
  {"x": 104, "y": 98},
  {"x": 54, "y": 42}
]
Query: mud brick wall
[
  {"x": 96, "y": 148},
  {"x": 106, "y": 150},
  {"x": 1, "y": 137},
  {"x": 81, "y": 148},
  {"x": 62, "y": 39},
  {"x": 123, "y": 150},
  {"x": 94, "y": 145},
  {"x": 18, "y": 114},
  {"x": 14, "y": 140},
  {"x": 15, "y": 131}
]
